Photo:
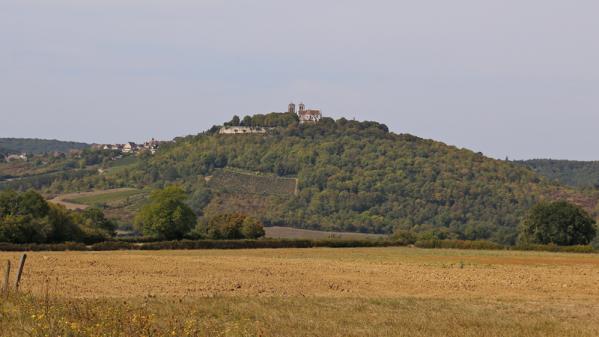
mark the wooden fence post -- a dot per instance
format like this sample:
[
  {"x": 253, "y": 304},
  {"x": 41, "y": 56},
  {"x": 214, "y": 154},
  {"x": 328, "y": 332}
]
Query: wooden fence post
[
  {"x": 6, "y": 277},
  {"x": 20, "y": 271}
]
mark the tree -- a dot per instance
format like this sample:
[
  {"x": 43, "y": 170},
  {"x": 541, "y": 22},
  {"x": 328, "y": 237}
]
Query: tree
[
  {"x": 225, "y": 226},
  {"x": 166, "y": 216},
  {"x": 561, "y": 223},
  {"x": 95, "y": 218},
  {"x": 63, "y": 225},
  {"x": 200, "y": 198},
  {"x": 251, "y": 228},
  {"x": 247, "y": 121},
  {"x": 27, "y": 218},
  {"x": 230, "y": 227}
]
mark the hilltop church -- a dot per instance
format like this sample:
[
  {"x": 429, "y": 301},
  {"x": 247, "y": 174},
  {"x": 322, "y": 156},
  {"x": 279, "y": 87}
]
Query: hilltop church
[{"x": 305, "y": 116}]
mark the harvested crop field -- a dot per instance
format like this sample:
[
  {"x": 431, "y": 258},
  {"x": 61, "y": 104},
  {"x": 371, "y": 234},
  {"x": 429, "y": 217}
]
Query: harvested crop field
[
  {"x": 277, "y": 232},
  {"x": 344, "y": 292}
]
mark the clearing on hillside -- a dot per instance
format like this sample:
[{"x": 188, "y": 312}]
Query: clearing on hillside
[
  {"x": 248, "y": 193},
  {"x": 119, "y": 204},
  {"x": 237, "y": 181}
]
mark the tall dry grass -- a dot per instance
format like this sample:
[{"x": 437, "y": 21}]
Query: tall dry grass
[{"x": 225, "y": 316}]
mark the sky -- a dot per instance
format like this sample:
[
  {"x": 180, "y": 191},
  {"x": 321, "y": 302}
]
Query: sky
[{"x": 515, "y": 78}]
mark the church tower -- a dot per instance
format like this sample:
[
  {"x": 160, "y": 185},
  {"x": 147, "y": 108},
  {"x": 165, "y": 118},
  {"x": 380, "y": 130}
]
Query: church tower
[
  {"x": 291, "y": 108},
  {"x": 302, "y": 107}
]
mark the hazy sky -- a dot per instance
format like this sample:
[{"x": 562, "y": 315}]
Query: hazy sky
[{"x": 517, "y": 78}]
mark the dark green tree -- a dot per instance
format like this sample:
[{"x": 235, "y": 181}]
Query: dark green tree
[
  {"x": 561, "y": 223},
  {"x": 27, "y": 218},
  {"x": 230, "y": 227},
  {"x": 251, "y": 228},
  {"x": 166, "y": 216},
  {"x": 95, "y": 218},
  {"x": 247, "y": 121}
]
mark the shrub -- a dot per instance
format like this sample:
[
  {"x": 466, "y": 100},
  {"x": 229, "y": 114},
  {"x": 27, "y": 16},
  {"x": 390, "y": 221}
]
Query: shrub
[
  {"x": 167, "y": 216},
  {"x": 560, "y": 223},
  {"x": 405, "y": 237},
  {"x": 27, "y": 218},
  {"x": 230, "y": 227},
  {"x": 556, "y": 248},
  {"x": 458, "y": 244},
  {"x": 114, "y": 245}
]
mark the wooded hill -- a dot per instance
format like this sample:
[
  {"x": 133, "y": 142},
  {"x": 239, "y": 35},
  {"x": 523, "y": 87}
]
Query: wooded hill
[
  {"x": 335, "y": 175},
  {"x": 357, "y": 176},
  {"x": 37, "y": 146},
  {"x": 567, "y": 172}
]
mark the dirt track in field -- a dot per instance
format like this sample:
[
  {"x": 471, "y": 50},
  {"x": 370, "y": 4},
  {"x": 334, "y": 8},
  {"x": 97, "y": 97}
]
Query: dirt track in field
[
  {"x": 63, "y": 198},
  {"x": 360, "y": 272}
]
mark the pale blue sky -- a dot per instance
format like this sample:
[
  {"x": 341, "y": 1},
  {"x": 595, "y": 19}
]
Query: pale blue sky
[{"x": 517, "y": 78}]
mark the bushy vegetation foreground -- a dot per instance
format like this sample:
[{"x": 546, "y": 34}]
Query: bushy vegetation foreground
[
  {"x": 26, "y": 218},
  {"x": 235, "y": 317}
]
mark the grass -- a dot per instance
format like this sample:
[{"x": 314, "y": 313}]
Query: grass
[
  {"x": 108, "y": 197},
  {"x": 118, "y": 204},
  {"x": 120, "y": 165},
  {"x": 223, "y": 316},
  {"x": 305, "y": 292}
]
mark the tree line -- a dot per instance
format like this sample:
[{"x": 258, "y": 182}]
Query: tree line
[{"x": 27, "y": 217}]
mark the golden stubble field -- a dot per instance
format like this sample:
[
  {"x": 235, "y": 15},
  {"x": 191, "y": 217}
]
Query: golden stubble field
[
  {"x": 359, "y": 272},
  {"x": 424, "y": 292}
]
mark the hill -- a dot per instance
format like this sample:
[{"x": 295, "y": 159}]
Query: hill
[
  {"x": 567, "y": 172},
  {"x": 341, "y": 176},
  {"x": 37, "y": 146},
  {"x": 358, "y": 177}
]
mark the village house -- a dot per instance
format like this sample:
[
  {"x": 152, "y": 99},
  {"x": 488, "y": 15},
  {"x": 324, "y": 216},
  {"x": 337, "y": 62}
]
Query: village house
[
  {"x": 240, "y": 130},
  {"x": 17, "y": 157},
  {"x": 113, "y": 147},
  {"x": 130, "y": 147},
  {"x": 151, "y": 145}
]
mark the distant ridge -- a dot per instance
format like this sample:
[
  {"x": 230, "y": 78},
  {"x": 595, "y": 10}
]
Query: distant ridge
[
  {"x": 37, "y": 146},
  {"x": 568, "y": 172}
]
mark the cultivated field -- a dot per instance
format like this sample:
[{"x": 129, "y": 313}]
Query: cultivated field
[
  {"x": 311, "y": 292},
  {"x": 277, "y": 232},
  {"x": 118, "y": 204},
  {"x": 82, "y": 200}
]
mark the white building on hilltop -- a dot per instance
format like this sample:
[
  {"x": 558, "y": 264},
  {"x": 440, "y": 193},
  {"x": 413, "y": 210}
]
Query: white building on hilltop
[
  {"x": 305, "y": 115},
  {"x": 240, "y": 130}
]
